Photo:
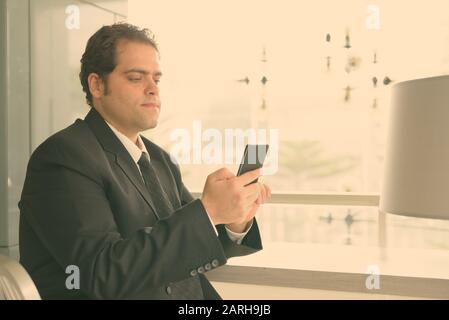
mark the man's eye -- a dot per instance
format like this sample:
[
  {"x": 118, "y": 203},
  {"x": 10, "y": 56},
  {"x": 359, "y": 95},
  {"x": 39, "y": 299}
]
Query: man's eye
[{"x": 135, "y": 79}]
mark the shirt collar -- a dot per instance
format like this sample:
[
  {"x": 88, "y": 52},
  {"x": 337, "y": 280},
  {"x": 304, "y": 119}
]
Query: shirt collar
[{"x": 135, "y": 151}]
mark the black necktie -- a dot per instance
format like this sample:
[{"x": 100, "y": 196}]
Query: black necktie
[
  {"x": 189, "y": 288},
  {"x": 160, "y": 199}
]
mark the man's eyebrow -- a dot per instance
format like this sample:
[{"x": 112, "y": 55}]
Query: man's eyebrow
[{"x": 142, "y": 71}]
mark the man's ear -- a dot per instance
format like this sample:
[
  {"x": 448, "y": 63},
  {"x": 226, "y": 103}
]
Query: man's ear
[{"x": 96, "y": 85}]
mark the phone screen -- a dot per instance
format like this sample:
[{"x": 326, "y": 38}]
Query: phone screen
[{"x": 253, "y": 158}]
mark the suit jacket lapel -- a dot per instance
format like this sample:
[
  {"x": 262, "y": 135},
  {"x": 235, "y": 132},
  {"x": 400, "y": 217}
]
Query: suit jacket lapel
[{"x": 112, "y": 144}]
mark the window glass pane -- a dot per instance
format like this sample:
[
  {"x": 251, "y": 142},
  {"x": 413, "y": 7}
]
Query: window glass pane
[
  {"x": 409, "y": 232},
  {"x": 346, "y": 239},
  {"x": 348, "y": 226},
  {"x": 317, "y": 224},
  {"x": 329, "y": 67},
  {"x": 59, "y": 33}
]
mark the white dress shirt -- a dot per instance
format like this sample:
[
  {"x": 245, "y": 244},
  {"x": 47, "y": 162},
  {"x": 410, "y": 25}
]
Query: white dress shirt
[{"x": 135, "y": 151}]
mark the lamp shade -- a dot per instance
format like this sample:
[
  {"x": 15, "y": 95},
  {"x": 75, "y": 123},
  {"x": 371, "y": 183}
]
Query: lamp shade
[{"x": 416, "y": 169}]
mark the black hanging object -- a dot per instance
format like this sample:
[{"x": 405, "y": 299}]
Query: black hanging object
[
  {"x": 387, "y": 81},
  {"x": 264, "y": 80},
  {"x": 348, "y": 42},
  {"x": 245, "y": 80},
  {"x": 349, "y": 219},
  {"x": 348, "y": 90}
]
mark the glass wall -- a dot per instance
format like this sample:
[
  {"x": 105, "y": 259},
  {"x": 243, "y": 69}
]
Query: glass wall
[
  {"x": 318, "y": 72},
  {"x": 60, "y": 30},
  {"x": 14, "y": 116}
]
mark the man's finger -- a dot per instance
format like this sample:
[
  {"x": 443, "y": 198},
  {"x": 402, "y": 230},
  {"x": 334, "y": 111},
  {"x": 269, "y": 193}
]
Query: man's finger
[
  {"x": 263, "y": 192},
  {"x": 222, "y": 174},
  {"x": 269, "y": 191},
  {"x": 261, "y": 198},
  {"x": 251, "y": 190},
  {"x": 248, "y": 177},
  {"x": 251, "y": 198}
]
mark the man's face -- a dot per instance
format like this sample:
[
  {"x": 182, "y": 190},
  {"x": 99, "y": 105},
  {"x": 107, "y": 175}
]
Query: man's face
[{"x": 131, "y": 103}]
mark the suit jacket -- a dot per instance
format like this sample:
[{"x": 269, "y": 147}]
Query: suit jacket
[{"x": 84, "y": 203}]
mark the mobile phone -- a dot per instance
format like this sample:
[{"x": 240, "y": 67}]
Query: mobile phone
[{"x": 253, "y": 158}]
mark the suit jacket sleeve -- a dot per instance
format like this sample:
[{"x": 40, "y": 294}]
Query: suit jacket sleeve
[{"x": 64, "y": 200}]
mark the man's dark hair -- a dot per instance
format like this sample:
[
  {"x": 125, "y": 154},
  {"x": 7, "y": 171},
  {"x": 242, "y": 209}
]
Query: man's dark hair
[{"x": 100, "y": 54}]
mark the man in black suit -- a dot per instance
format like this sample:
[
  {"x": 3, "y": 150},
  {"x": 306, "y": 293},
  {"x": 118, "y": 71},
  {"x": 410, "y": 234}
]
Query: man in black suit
[{"x": 102, "y": 198}]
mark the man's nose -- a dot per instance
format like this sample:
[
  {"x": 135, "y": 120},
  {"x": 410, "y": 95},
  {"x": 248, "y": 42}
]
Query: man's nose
[{"x": 151, "y": 87}]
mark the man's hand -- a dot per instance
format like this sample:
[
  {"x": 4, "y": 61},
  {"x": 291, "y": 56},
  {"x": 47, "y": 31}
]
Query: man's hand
[
  {"x": 230, "y": 200},
  {"x": 264, "y": 195}
]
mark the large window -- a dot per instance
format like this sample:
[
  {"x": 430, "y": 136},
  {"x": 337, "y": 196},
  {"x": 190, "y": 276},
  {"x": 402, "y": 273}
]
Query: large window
[
  {"x": 329, "y": 67},
  {"x": 59, "y": 33}
]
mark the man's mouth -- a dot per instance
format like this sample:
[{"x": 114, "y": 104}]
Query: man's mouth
[{"x": 150, "y": 105}]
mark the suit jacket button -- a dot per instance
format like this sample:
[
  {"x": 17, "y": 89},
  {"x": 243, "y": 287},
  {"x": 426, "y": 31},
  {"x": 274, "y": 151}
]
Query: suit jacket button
[
  {"x": 208, "y": 266},
  {"x": 215, "y": 263},
  {"x": 200, "y": 270},
  {"x": 193, "y": 273},
  {"x": 168, "y": 289}
]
